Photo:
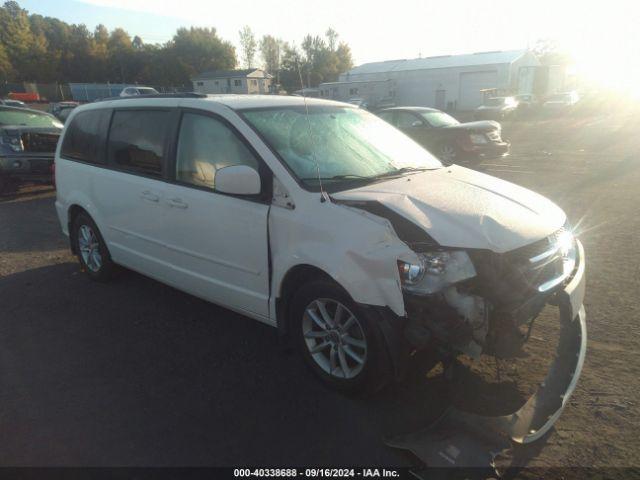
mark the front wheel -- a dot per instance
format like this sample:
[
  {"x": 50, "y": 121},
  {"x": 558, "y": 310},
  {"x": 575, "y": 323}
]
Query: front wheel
[
  {"x": 336, "y": 339},
  {"x": 448, "y": 153}
]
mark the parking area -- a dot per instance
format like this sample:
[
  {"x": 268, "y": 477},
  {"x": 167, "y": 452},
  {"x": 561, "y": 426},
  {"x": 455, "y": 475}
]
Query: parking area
[{"x": 137, "y": 373}]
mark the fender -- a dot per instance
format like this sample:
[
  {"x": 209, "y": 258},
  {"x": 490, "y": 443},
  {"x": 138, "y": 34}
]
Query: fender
[{"x": 358, "y": 250}]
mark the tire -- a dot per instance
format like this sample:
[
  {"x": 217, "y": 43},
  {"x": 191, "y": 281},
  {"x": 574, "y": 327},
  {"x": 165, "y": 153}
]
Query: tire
[
  {"x": 447, "y": 153},
  {"x": 91, "y": 249},
  {"x": 353, "y": 344}
]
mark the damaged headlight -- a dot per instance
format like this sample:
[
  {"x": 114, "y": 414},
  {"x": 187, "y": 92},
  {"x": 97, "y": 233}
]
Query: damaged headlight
[
  {"x": 435, "y": 271},
  {"x": 478, "y": 138}
]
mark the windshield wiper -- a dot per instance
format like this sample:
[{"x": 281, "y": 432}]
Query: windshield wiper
[
  {"x": 401, "y": 171},
  {"x": 338, "y": 177}
]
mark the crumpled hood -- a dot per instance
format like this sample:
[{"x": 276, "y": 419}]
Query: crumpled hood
[{"x": 463, "y": 208}]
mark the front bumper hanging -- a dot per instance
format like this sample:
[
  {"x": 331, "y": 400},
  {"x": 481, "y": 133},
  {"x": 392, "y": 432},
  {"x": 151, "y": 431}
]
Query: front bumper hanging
[{"x": 463, "y": 439}]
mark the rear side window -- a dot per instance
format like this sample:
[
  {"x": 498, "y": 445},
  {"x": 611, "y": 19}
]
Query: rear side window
[
  {"x": 83, "y": 139},
  {"x": 136, "y": 140}
]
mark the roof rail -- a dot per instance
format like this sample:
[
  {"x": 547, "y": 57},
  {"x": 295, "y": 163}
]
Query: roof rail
[{"x": 156, "y": 95}]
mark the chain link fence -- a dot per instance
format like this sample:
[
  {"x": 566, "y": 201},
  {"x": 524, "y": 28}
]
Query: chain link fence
[{"x": 79, "y": 92}]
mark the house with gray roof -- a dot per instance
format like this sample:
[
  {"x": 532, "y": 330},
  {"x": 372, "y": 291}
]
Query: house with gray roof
[
  {"x": 446, "y": 82},
  {"x": 251, "y": 80}
]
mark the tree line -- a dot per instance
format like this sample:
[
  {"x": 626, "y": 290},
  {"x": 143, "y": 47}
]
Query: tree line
[{"x": 35, "y": 48}]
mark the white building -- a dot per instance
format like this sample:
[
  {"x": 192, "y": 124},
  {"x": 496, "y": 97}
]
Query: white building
[
  {"x": 252, "y": 80},
  {"x": 448, "y": 82}
]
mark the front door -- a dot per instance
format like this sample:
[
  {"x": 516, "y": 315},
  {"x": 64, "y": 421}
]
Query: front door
[{"x": 217, "y": 243}]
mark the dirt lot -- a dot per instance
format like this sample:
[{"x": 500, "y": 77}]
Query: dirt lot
[{"x": 136, "y": 373}]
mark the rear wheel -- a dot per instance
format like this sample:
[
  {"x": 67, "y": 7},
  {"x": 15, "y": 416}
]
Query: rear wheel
[
  {"x": 91, "y": 249},
  {"x": 335, "y": 338}
]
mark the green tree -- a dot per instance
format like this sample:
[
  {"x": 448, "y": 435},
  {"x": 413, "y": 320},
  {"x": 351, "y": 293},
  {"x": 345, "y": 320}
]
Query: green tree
[
  {"x": 6, "y": 69},
  {"x": 291, "y": 76},
  {"x": 17, "y": 38},
  {"x": 319, "y": 60},
  {"x": 195, "y": 50}
]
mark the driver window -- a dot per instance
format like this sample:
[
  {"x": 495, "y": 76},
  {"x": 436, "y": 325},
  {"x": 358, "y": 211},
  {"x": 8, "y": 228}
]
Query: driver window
[
  {"x": 408, "y": 120},
  {"x": 205, "y": 145}
]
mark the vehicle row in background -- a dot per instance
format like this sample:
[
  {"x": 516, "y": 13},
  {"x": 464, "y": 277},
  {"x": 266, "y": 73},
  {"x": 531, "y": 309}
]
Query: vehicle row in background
[
  {"x": 133, "y": 91},
  {"x": 446, "y": 137},
  {"x": 523, "y": 105},
  {"x": 61, "y": 110},
  {"x": 12, "y": 103},
  {"x": 28, "y": 140}
]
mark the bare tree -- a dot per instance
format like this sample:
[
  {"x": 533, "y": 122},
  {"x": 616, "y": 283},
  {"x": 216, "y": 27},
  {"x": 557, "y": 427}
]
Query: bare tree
[
  {"x": 332, "y": 39},
  {"x": 270, "y": 49},
  {"x": 248, "y": 45}
]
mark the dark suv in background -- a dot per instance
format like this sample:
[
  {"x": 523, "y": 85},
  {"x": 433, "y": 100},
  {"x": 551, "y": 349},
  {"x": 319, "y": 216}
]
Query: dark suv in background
[
  {"x": 28, "y": 140},
  {"x": 446, "y": 137}
]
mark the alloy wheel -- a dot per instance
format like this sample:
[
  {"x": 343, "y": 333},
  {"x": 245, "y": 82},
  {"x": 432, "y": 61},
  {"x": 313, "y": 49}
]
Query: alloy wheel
[
  {"x": 334, "y": 338},
  {"x": 89, "y": 247},
  {"x": 447, "y": 153}
]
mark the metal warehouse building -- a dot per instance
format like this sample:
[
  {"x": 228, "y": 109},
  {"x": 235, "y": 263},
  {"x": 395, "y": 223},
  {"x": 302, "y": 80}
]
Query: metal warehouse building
[{"x": 449, "y": 82}]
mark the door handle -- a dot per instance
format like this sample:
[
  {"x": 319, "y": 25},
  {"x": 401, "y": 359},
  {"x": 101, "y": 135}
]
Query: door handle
[
  {"x": 147, "y": 195},
  {"x": 177, "y": 203}
]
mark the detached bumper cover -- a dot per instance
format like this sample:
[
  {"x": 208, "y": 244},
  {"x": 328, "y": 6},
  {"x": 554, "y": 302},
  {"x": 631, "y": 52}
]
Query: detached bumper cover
[{"x": 463, "y": 439}]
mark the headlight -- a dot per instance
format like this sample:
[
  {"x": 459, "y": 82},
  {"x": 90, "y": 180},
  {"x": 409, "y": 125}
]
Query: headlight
[
  {"x": 435, "y": 271},
  {"x": 14, "y": 143},
  {"x": 566, "y": 243},
  {"x": 477, "y": 138}
]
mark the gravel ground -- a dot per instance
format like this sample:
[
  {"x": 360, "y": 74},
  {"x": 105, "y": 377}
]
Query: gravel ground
[{"x": 137, "y": 373}]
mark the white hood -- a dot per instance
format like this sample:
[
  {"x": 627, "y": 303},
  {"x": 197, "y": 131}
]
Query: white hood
[{"x": 463, "y": 208}]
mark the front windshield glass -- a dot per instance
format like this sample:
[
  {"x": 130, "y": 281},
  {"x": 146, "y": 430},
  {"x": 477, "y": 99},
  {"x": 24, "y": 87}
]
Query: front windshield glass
[
  {"x": 27, "y": 118},
  {"x": 439, "y": 119},
  {"x": 341, "y": 144}
]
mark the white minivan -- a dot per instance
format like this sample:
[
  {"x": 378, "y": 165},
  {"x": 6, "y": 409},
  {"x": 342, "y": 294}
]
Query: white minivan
[{"x": 324, "y": 221}]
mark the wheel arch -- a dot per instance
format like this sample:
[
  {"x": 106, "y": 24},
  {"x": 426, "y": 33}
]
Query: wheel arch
[
  {"x": 72, "y": 213},
  {"x": 293, "y": 279}
]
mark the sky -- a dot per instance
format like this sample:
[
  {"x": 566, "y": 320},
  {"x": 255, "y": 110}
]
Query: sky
[{"x": 601, "y": 34}]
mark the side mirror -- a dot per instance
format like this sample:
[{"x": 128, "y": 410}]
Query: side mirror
[
  {"x": 237, "y": 180},
  {"x": 417, "y": 124}
]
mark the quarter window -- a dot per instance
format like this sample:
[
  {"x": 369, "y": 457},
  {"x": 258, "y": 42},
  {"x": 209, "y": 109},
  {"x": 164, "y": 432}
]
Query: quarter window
[
  {"x": 82, "y": 141},
  {"x": 205, "y": 145},
  {"x": 136, "y": 140}
]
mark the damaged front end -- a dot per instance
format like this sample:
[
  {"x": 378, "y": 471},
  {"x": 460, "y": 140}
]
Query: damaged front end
[
  {"x": 492, "y": 313},
  {"x": 480, "y": 302}
]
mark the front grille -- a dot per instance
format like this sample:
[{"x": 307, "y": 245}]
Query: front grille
[
  {"x": 40, "y": 142},
  {"x": 540, "y": 262},
  {"x": 41, "y": 165}
]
